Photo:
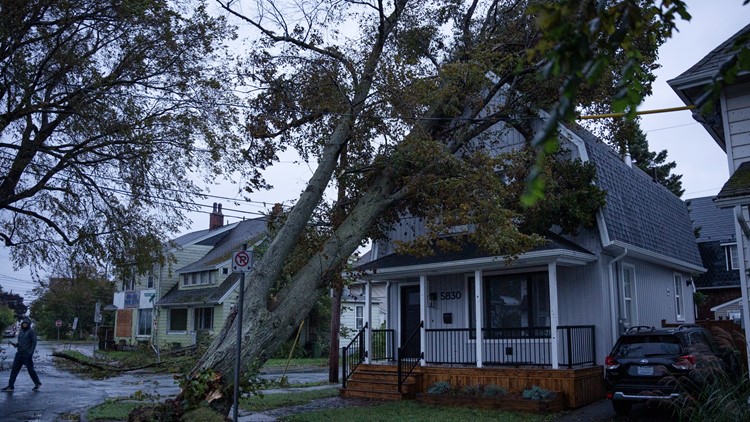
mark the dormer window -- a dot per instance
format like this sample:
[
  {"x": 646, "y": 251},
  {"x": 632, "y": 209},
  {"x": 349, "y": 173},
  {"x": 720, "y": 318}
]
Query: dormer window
[{"x": 198, "y": 278}]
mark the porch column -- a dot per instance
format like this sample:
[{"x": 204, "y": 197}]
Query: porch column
[
  {"x": 367, "y": 318},
  {"x": 478, "y": 316},
  {"x": 422, "y": 315},
  {"x": 553, "y": 315}
]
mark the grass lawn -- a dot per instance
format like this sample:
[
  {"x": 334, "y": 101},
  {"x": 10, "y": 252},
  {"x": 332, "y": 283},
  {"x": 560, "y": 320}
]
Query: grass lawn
[
  {"x": 112, "y": 410},
  {"x": 273, "y": 401},
  {"x": 414, "y": 412},
  {"x": 296, "y": 362}
]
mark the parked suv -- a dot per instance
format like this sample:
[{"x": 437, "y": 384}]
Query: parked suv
[{"x": 650, "y": 364}]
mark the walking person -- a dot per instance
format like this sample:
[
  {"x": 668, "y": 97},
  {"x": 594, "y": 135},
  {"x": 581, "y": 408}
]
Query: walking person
[{"x": 24, "y": 355}]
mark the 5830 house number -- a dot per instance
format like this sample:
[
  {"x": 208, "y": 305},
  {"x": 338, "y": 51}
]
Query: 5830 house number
[{"x": 450, "y": 295}]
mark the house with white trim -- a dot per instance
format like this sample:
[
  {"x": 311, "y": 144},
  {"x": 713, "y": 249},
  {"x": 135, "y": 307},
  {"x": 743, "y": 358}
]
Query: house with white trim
[
  {"x": 550, "y": 316},
  {"x": 727, "y": 119},
  {"x": 192, "y": 293},
  {"x": 137, "y": 294}
]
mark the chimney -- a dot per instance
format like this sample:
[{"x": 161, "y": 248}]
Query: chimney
[
  {"x": 216, "y": 219},
  {"x": 626, "y": 158}
]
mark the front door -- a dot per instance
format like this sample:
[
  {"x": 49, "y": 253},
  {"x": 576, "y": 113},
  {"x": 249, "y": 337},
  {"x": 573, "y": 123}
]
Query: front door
[{"x": 410, "y": 318}]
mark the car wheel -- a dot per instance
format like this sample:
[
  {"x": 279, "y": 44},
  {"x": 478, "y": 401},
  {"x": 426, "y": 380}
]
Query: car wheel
[{"x": 622, "y": 408}]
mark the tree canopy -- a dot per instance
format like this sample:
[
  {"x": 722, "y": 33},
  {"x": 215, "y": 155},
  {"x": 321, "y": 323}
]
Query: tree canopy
[
  {"x": 13, "y": 301},
  {"x": 108, "y": 108},
  {"x": 71, "y": 294}
]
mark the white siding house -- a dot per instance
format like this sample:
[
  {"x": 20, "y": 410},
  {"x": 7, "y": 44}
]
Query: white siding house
[{"x": 728, "y": 122}]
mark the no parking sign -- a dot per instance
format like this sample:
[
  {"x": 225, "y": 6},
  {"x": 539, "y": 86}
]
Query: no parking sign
[{"x": 242, "y": 261}]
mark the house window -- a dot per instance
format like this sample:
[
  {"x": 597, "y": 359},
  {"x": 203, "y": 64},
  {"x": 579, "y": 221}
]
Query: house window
[
  {"x": 128, "y": 284},
  {"x": 679, "y": 306},
  {"x": 194, "y": 278},
  {"x": 732, "y": 257},
  {"x": 359, "y": 319},
  {"x": 185, "y": 279},
  {"x": 203, "y": 319},
  {"x": 150, "y": 282},
  {"x": 225, "y": 271},
  {"x": 178, "y": 319},
  {"x": 512, "y": 301},
  {"x": 145, "y": 321}
]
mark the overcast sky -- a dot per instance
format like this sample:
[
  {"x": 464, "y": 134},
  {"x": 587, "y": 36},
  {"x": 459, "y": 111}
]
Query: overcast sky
[{"x": 699, "y": 159}]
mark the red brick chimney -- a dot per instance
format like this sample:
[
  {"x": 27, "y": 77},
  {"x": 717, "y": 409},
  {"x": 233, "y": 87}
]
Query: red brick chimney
[{"x": 216, "y": 219}]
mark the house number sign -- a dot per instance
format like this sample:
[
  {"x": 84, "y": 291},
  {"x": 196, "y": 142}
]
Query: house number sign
[{"x": 450, "y": 295}]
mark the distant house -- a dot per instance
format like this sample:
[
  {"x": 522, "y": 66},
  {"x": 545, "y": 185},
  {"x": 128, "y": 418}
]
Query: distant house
[
  {"x": 717, "y": 244},
  {"x": 728, "y": 122},
  {"x": 354, "y": 309},
  {"x": 136, "y": 295},
  {"x": 193, "y": 293},
  {"x": 206, "y": 289},
  {"x": 557, "y": 310}
]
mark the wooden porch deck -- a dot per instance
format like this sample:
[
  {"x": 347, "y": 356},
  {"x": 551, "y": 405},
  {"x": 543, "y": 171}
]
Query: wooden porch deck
[{"x": 581, "y": 386}]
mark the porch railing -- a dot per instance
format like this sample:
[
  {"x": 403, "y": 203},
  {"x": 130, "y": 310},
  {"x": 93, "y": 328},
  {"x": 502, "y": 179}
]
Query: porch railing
[
  {"x": 383, "y": 345},
  {"x": 352, "y": 355},
  {"x": 406, "y": 364},
  {"x": 528, "y": 346}
]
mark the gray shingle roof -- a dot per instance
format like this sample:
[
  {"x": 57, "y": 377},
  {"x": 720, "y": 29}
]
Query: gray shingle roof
[
  {"x": 714, "y": 260},
  {"x": 639, "y": 211},
  {"x": 247, "y": 231},
  {"x": 470, "y": 251},
  {"x": 703, "y": 71},
  {"x": 198, "y": 296},
  {"x": 715, "y": 224},
  {"x": 204, "y": 237}
]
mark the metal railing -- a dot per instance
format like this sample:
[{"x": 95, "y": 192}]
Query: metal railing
[
  {"x": 383, "y": 345},
  {"x": 579, "y": 345},
  {"x": 406, "y": 364},
  {"x": 528, "y": 346},
  {"x": 352, "y": 355}
]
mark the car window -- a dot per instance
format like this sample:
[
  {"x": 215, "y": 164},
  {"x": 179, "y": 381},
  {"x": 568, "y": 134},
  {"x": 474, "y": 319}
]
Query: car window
[{"x": 647, "y": 346}]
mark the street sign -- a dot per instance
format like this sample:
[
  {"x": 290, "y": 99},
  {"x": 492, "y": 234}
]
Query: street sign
[
  {"x": 58, "y": 323},
  {"x": 75, "y": 323},
  {"x": 242, "y": 262}
]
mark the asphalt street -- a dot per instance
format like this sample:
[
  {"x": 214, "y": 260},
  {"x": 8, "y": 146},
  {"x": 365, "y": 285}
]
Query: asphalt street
[{"x": 64, "y": 393}]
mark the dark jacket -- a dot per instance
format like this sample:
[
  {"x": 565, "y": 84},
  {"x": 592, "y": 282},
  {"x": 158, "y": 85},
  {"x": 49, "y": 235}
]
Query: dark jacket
[{"x": 26, "y": 339}]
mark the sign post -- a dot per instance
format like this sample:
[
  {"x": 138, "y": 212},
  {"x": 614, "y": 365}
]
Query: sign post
[
  {"x": 241, "y": 262},
  {"x": 58, "y": 324}
]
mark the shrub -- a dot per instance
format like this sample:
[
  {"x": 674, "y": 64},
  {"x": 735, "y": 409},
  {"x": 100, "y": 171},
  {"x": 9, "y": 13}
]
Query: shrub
[
  {"x": 719, "y": 388},
  {"x": 493, "y": 390},
  {"x": 537, "y": 393},
  {"x": 439, "y": 388},
  {"x": 470, "y": 391}
]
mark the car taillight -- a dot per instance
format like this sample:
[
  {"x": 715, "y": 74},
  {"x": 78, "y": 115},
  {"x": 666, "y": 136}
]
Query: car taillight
[
  {"x": 611, "y": 363},
  {"x": 685, "y": 363}
]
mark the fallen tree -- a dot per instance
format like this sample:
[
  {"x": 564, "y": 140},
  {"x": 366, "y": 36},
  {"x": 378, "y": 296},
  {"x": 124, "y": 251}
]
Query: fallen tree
[{"x": 407, "y": 97}]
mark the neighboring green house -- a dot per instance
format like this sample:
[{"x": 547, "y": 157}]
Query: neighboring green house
[
  {"x": 206, "y": 289},
  {"x": 192, "y": 293}
]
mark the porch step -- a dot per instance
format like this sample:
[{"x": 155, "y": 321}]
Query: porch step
[{"x": 381, "y": 382}]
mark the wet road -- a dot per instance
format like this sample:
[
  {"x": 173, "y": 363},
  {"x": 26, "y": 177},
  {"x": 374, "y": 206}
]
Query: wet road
[{"x": 65, "y": 393}]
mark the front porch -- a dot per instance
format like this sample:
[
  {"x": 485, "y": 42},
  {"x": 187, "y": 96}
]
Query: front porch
[{"x": 513, "y": 359}]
